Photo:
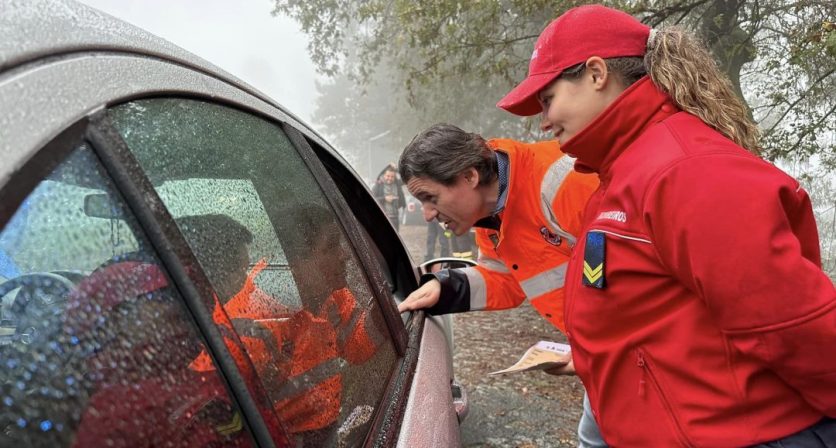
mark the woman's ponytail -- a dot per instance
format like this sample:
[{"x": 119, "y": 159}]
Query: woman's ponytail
[{"x": 682, "y": 67}]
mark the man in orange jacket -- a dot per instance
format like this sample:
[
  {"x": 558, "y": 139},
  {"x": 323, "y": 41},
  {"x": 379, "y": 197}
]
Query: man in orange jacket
[
  {"x": 526, "y": 203},
  {"x": 288, "y": 348},
  {"x": 297, "y": 354}
]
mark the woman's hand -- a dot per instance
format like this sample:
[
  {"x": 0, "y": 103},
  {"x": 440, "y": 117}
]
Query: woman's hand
[
  {"x": 424, "y": 297},
  {"x": 566, "y": 369}
]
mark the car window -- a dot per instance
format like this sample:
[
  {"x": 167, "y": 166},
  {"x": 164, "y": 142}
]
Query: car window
[
  {"x": 386, "y": 250},
  {"x": 283, "y": 271},
  {"x": 96, "y": 345}
]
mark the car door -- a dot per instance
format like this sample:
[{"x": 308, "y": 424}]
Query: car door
[{"x": 332, "y": 245}]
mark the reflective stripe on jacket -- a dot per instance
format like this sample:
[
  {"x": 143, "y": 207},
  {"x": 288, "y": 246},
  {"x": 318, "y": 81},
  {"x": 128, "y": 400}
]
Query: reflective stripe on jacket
[{"x": 526, "y": 257}]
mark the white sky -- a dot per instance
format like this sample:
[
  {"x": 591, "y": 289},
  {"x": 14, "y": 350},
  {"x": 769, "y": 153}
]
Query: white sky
[{"x": 241, "y": 37}]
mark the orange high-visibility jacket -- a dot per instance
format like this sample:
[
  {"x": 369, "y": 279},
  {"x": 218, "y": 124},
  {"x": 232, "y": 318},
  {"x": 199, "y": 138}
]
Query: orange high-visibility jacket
[
  {"x": 285, "y": 345},
  {"x": 525, "y": 256}
]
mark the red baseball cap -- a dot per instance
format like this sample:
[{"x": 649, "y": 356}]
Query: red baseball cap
[{"x": 572, "y": 38}]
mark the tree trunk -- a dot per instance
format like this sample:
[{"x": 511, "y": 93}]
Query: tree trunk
[{"x": 731, "y": 44}]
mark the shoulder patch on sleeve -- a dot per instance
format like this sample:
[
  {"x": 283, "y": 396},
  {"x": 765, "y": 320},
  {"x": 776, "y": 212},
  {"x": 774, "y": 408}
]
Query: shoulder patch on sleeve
[{"x": 594, "y": 258}]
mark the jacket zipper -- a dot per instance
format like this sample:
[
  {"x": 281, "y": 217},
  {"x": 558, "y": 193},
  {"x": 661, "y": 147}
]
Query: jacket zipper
[{"x": 647, "y": 371}]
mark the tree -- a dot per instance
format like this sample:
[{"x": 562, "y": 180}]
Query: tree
[{"x": 780, "y": 55}]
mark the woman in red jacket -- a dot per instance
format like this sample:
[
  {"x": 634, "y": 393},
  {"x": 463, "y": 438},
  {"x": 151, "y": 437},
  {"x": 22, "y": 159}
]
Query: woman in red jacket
[{"x": 696, "y": 306}]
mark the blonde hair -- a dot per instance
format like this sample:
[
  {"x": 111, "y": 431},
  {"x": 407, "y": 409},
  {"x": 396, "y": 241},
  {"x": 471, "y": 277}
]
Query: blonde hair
[{"x": 681, "y": 66}]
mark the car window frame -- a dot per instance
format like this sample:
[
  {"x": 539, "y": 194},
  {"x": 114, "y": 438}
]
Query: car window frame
[
  {"x": 24, "y": 180},
  {"x": 348, "y": 220},
  {"x": 377, "y": 226}
]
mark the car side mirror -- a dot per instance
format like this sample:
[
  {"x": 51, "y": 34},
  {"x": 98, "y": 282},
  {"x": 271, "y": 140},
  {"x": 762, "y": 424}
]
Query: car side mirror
[
  {"x": 437, "y": 264},
  {"x": 99, "y": 205}
]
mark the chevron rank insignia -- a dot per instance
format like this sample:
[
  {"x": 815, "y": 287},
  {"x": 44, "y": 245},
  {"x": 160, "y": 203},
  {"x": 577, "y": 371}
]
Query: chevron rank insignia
[{"x": 594, "y": 256}]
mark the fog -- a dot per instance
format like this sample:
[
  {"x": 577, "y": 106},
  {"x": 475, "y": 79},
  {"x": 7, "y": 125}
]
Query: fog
[{"x": 242, "y": 38}]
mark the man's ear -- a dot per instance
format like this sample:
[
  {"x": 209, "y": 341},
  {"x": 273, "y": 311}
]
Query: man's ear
[
  {"x": 471, "y": 176},
  {"x": 597, "y": 70}
]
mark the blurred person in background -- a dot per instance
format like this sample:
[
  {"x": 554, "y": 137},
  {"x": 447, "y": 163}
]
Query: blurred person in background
[
  {"x": 389, "y": 194},
  {"x": 436, "y": 232}
]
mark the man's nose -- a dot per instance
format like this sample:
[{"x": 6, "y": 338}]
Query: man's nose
[
  {"x": 545, "y": 125},
  {"x": 429, "y": 212}
]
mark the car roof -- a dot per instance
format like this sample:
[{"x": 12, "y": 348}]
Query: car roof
[{"x": 43, "y": 30}]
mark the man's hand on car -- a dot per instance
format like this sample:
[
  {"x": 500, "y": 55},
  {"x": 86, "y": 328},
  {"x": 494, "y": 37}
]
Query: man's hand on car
[{"x": 424, "y": 297}]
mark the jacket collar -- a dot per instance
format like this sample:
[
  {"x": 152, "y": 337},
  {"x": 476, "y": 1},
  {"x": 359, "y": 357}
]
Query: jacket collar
[
  {"x": 503, "y": 174},
  {"x": 503, "y": 168},
  {"x": 609, "y": 134}
]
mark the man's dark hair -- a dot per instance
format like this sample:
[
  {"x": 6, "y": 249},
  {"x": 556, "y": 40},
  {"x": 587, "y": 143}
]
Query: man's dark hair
[{"x": 443, "y": 151}]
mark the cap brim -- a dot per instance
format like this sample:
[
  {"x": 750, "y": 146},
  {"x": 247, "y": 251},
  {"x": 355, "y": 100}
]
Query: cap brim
[{"x": 522, "y": 100}]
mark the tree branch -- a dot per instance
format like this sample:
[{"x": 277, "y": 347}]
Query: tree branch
[
  {"x": 659, "y": 15},
  {"x": 810, "y": 129},
  {"x": 799, "y": 99}
]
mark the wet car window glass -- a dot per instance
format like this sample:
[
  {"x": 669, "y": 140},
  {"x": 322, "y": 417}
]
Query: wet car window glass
[
  {"x": 281, "y": 266},
  {"x": 95, "y": 344}
]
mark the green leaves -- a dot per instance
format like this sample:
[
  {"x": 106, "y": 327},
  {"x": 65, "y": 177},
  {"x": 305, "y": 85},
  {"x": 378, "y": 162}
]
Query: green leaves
[
  {"x": 829, "y": 37},
  {"x": 442, "y": 55}
]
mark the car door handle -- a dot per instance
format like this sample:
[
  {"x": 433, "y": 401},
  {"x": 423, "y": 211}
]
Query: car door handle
[{"x": 436, "y": 264}]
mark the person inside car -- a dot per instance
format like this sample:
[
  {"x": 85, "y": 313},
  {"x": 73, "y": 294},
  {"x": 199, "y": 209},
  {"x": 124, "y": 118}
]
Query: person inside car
[
  {"x": 297, "y": 352},
  {"x": 332, "y": 329},
  {"x": 125, "y": 312}
]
